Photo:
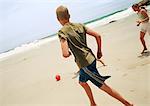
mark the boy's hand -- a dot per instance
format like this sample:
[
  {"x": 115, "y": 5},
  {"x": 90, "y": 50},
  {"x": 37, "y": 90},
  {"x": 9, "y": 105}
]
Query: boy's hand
[
  {"x": 69, "y": 54},
  {"x": 99, "y": 54}
]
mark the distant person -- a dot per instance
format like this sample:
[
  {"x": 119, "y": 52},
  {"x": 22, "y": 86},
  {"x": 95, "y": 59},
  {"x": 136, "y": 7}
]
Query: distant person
[
  {"x": 73, "y": 38},
  {"x": 143, "y": 22}
]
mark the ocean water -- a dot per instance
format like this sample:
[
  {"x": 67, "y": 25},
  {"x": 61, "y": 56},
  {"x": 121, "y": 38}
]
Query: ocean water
[{"x": 25, "y": 21}]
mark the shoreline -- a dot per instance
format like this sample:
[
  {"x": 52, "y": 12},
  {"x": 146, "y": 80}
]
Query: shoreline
[
  {"x": 116, "y": 16},
  {"x": 107, "y": 19}
]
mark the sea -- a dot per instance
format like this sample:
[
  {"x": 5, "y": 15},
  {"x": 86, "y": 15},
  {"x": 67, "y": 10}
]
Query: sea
[{"x": 27, "y": 21}]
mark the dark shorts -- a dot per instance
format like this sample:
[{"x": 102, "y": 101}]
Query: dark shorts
[{"x": 91, "y": 73}]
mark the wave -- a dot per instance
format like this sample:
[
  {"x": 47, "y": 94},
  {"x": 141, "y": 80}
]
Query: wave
[
  {"x": 92, "y": 23},
  {"x": 110, "y": 17}
]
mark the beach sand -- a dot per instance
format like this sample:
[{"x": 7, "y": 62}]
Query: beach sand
[{"x": 28, "y": 78}]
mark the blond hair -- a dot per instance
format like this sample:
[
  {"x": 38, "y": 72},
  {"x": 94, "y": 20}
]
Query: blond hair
[{"x": 62, "y": 13}]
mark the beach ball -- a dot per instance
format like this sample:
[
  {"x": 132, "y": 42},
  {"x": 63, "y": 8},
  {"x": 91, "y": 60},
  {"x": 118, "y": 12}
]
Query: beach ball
[{"x": 57, "y": 77}]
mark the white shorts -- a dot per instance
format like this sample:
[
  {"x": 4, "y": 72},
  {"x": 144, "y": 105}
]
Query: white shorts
[{"x": 145, "y": 27}]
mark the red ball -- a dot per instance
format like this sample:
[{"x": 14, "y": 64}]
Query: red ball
[{"x": 57, "y": 77}]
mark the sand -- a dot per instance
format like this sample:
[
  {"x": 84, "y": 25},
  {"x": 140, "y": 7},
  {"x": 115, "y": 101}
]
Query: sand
[{"x": 28, "y": 78}]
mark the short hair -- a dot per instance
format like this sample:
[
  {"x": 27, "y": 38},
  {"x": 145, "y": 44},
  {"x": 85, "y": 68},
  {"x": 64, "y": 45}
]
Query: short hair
[{"x": 62, "y": 12}]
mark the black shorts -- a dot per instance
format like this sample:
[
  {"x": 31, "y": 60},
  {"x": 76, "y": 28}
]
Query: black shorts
[{"x": 91, "y": 73}]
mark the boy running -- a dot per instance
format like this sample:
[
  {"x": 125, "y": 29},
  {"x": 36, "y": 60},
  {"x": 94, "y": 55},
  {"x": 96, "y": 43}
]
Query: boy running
[{"x": 73, "y": 38}]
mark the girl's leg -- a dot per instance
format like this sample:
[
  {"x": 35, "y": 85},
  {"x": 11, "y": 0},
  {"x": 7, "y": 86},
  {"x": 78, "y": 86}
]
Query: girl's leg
[{"x": 142, "y": 35}]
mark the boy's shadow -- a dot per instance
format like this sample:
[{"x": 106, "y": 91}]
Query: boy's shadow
[{"x": 145, "y": 54}]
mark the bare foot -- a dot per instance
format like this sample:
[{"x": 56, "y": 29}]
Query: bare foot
[
  {"x": 93, "y": 105},
  {"x": 143, "y": 50},
  {"x": 76, "y": 74},
  {"x": 101, "y": 62},
  {"x": 129, "y": 105},
  {"x": 104, "y": 65}
]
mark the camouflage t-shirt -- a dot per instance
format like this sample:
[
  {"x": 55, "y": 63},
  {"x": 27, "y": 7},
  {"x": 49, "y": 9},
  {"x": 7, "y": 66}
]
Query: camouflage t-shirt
[{"x": 75, "y": 34}]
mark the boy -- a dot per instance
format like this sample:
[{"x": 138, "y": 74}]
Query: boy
[
  {"x": 73, "y": 37},
  {"x": 144, "y": 21}
]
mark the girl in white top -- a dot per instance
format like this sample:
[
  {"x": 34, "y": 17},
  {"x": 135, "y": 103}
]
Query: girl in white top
[{"x": 143, "y": 22}]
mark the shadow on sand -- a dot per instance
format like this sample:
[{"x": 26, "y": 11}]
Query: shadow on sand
[{"x": 145, "y": 54}]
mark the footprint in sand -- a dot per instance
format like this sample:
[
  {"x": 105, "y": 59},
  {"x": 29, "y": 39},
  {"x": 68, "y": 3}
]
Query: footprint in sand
[
  {"x": 24, "y": 59},
  {"x": 118, "y": 59},
  {"x": 132, "y": 90},
  {"x": 124, "y": 75}
]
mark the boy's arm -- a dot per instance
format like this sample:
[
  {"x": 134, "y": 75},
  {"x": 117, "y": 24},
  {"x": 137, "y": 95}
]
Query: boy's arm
[
  {"x": 65, "y": 49},
  {"x": 98, "y": 40}
]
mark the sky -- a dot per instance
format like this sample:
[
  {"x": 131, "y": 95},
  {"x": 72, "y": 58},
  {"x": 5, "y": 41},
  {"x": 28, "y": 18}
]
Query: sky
[{"x": 23, "y": 21}]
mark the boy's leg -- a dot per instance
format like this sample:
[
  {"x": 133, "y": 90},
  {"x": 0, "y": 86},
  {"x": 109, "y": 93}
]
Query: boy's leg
[
  {"x": 114, "y": 94},
  {"x": 88, "y": 92},
  {"x": 142, "y": 35}
]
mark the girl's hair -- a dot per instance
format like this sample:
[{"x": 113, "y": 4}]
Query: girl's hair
[
  {"x": 143, "y": 7},
  {"x": 135, "y": 6}
]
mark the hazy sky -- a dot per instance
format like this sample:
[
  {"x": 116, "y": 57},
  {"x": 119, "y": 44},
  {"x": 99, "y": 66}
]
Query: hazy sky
[{"x": 23, "y": 21}]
